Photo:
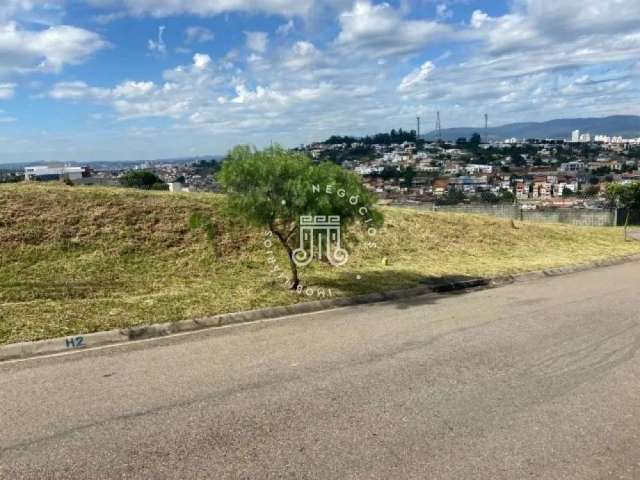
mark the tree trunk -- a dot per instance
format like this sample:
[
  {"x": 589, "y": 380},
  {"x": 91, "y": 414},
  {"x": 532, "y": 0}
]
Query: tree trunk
[
  {"x": 295, "y": 279},
  {"x": 626, "y": 223}
]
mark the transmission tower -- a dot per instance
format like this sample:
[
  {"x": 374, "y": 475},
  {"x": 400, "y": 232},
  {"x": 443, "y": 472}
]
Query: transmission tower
[
  {"x": 438, "y": 128},
  {"x": 486, "y": 128}
]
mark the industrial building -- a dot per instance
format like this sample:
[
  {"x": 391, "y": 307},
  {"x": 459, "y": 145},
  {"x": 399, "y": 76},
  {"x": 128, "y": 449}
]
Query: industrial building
[{"x": 47, "y": 173}]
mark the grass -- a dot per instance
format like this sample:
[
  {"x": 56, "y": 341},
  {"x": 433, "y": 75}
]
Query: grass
[{"x": 85, "y": 259}]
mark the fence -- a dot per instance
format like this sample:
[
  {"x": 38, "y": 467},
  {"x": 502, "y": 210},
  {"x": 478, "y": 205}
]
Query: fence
[{"x": 571, "y": 216}]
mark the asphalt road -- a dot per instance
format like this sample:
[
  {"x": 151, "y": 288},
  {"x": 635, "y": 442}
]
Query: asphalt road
[{"x": 532, "y": 380}]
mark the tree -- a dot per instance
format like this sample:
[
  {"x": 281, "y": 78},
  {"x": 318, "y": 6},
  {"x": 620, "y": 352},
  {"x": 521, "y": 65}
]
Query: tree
[
  {"x": 489, "y": 197},
  {"x": 625, "y": 196},
  {"x": 507, "y": 196},
  {"x": 475, "y": 140},
  {"x": 517, "y": 159},
  {"x": 453, "y": 197},
  {"x": 143, "y": 179},
  {"x": 408, "y": 174},
  {"x": 273, "y": 188}
]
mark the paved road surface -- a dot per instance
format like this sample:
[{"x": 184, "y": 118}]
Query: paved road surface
[{"x": 538, "y": 380}]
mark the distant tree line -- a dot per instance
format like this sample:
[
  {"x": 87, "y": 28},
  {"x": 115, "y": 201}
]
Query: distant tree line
[{"x": 394, "y": 136}]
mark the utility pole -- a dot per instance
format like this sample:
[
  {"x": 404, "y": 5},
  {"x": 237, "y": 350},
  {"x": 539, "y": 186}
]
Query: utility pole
[{"x": 486, "y": 128}]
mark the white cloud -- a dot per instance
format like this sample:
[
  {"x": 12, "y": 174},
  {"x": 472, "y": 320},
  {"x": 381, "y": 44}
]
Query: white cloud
[
  {"x": 198, "y": 35},
  {"x": 566, "y": 18},
  {"x": 260, "y": 95},
  {"x": 165, "y": 8},
  {"x": 35, "y": 11},
  {"x": 201, "y": 61},
  {"x": 7, "y": 90},
  {"x": 416, "y": 78},
  {"x": 23, "y": 51},
  {"x": 158, "y": 46},
  {"x": 443, "y": 11},
  {"x": 380, "y": 30},
  {"x": 286, "y": 28},
  {"x": 257, "y": 41},
  {"x": 77, "y": 91},
  {"x": 106, "y": 18},
  {"x": 303, "y": 55},
  {"x": 131, "y": 89}
]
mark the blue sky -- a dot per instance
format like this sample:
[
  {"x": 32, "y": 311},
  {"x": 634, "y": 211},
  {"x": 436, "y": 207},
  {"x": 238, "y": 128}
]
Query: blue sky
[{"x": 89, "y": 80}]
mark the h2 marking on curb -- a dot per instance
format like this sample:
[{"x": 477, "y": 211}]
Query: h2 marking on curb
[{"x": 75, "y": 342}]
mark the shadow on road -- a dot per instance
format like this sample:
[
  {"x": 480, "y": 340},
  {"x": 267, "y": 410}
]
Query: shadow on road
[{"x": 393, "y": 280}]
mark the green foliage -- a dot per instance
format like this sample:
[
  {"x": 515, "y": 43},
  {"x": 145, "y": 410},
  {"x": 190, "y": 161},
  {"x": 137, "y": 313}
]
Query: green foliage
[
  {"x": 273, "y": 188},
  {"x": 517, "y": 159},
  {"x": 489, "y": 197},
  {"x": 409, "y": 174},
  {"x": 395, "y": 136},
  {"x": 143, "y": 179},
  {"x": 507, "y": 196},
  {"x": 591, "y": 191},
  {"x": 7, "y": 176},
  {"x": 360, "y": 153},
  {"x": 197, "y": 220},
  {"x": 625, "y": 196},
  {"x": 453, "y": 197}
]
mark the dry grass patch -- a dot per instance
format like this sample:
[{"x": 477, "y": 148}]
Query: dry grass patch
[{"x": 84, "y": 259}]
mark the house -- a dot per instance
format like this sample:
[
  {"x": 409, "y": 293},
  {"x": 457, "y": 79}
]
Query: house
[
  {"x": 468, "y": 184},
  {"x": 473, "y": 169},
  {"x": 439, "y": 186},
  {"x": 572, "y": 167},
  {"x": 522, "y": 188}
]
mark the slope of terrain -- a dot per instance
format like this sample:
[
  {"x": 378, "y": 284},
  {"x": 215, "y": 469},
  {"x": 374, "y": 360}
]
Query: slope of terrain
[{"x": 84, "y": 259}]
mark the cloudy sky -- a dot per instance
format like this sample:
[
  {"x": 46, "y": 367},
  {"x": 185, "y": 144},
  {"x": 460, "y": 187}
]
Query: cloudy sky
[{"x": 89, "y": 80}]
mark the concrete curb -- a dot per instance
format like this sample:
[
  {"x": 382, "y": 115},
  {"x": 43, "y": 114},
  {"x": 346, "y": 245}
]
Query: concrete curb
[{"x": 90, "y": 340}]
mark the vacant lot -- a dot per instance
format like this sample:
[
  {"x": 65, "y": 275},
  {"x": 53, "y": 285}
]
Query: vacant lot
[{"x": 81, "y": 259}]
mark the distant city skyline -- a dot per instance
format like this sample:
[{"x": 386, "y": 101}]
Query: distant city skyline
[{"x": 96, "y": 80}]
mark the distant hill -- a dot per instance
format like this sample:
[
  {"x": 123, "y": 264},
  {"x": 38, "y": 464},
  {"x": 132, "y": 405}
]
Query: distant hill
[{"x": 624, "y": 125}]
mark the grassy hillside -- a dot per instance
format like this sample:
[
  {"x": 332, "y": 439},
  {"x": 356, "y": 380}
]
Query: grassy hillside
[{"x": 80, "y": 259}]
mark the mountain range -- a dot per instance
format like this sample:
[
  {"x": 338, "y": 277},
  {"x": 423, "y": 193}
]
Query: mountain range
[{"x": 627, "y": 126}]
